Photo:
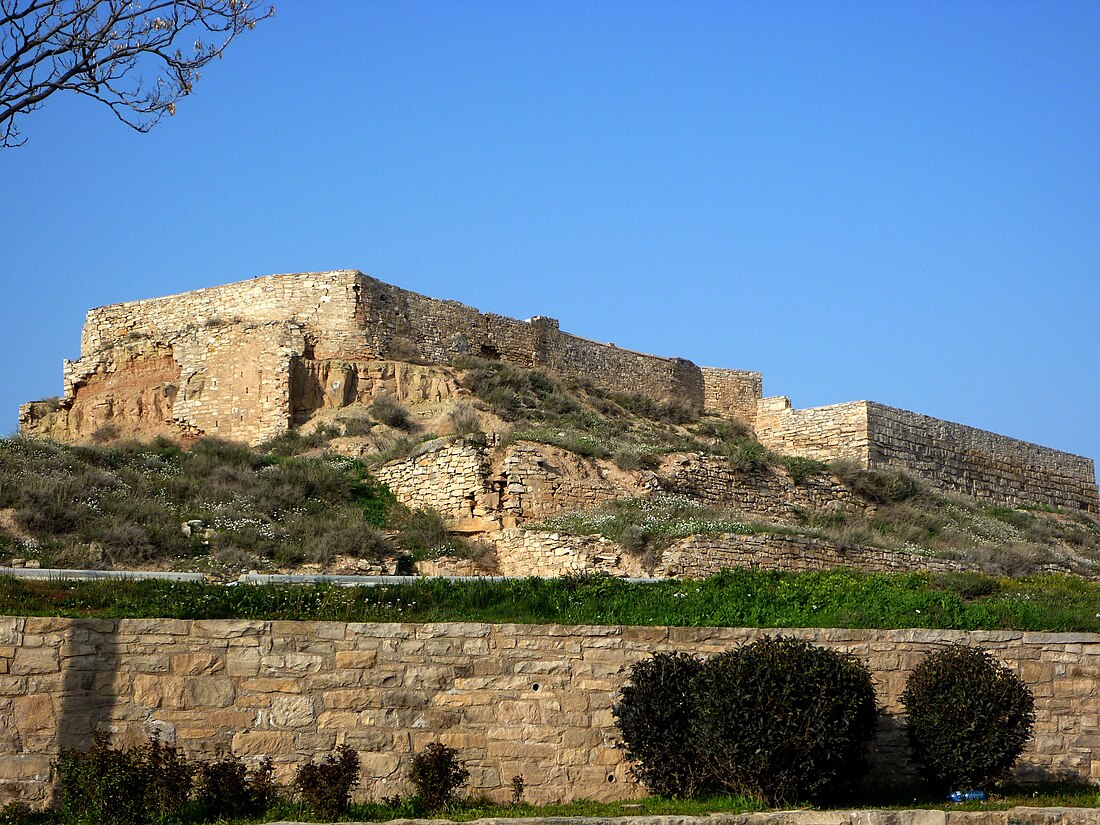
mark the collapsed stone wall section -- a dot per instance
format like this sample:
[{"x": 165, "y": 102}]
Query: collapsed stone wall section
[{"x": 513, "y": 699}]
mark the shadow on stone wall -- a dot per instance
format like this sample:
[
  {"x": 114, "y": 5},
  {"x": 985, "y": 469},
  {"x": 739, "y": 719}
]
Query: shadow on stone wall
[{"x": 89, "y": 682}]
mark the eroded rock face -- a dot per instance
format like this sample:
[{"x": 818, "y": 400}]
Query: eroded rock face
[
  {"x": 131, "y": 394},
  {"x": 317, "y": 384}
]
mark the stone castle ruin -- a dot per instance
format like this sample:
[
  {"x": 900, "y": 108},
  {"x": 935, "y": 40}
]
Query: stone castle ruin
[{"x": 251, "y": 360}]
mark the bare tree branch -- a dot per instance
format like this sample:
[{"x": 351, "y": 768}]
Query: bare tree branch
[{"x": 105, "y": 49}]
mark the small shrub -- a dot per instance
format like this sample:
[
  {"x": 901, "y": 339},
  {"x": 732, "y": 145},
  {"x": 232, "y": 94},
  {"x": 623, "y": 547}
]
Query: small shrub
[
  {"x": 518, "y": 786},
  {"x": 358, "y": 426},
  {"x": 878, "y": 486},
  {"x": 437, "y": 773},
  {"x": 228, "y": 789},
  {"x": 18, "y": 813},
  {"x": 783, "y": 719},
  {"x": 654, "y": 715},
  {"x": 747, "y": 456},
  {"x": 395, "y": 450},
  {"x": 325, "y": 787},
  {"x": 389, "y": 411},
  {"x": 627, "y": 459},
  {"x": 104, "y": 784},
  {"x": 425, "y": 532},
  {"x": 801, "y": 468},
  {"x": 969, "y": 717},
  {"x": 464, "y": 420}
]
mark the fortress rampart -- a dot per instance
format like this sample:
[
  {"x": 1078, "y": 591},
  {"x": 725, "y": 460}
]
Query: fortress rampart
[
  {"x": 250, "y": 360},
  {"x": 951, "y": 457}
]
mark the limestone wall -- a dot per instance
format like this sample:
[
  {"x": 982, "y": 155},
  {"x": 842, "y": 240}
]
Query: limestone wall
[
  {"x": 515, "y": 700},
  {"x": 980, "y": 464},
  {"x": 769, "y": 494},
  {"x": 697, "y": 557},
  {"x": 824, "y": 433},
  {"x": 482, "y": 489},
  {"x": 949, "y": 456},
  {"x": 734, "y": 393},
  {"x": 323, "y": 303},
  {"x": 316, "y": 323},
  {"x": 403, "y": 324}
]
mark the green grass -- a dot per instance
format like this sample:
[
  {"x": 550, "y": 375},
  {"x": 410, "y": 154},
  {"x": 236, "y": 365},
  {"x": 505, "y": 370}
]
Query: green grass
[
  {"x": 739, "y": 598},
  {"x": 1043, "y": 796}
]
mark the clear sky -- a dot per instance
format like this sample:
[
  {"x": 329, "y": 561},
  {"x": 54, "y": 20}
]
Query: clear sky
[{"x": 889, "y": 201}]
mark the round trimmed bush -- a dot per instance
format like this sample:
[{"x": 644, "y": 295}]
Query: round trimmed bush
[
  {"x": 969, "y": 717},
  {"x": 783, "y": 720},
  {"x": 654, "y": 715}
]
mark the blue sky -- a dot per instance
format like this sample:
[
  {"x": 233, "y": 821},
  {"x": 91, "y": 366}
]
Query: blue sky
[{"x": 897, "y": 202}]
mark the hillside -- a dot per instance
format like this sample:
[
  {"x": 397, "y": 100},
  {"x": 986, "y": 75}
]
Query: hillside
[{"x": 490, "y": 468}]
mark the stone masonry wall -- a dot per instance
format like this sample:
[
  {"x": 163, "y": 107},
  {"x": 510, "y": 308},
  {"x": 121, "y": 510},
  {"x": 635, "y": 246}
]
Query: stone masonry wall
[
  {"x": 515, "y": 700},
  {"x": 403, "y": 324},
  {"x": 481, "y": 490},
  {"x": 977, "y": 463},
  {"x": 770, "y": 493},
  {"x": 824, "y": 433},
  {"x": 319, "y": 322},
  {"x": 734, "y": 393},
  {"x": 949, "y": 456},
  {"x": 697, "y": 557}
]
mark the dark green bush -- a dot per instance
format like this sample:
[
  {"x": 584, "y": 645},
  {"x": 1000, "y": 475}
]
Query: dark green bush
[
  {"x": 969, "y": 717},
  {"x": 107, "y": 785},
  {"x": 654, "y": 714},
  {"x": 437, "y": 773},
  {"x": 325, "y": 786},
  {"x": 783, "y": 719},
  {"x": 228, "y": 789}
]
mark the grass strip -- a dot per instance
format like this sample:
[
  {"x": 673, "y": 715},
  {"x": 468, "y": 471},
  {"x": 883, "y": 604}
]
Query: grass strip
[{"x": 733, "y": 598}]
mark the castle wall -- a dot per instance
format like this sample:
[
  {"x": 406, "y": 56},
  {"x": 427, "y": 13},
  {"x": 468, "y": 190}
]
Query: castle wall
[
  {"x": 404, "y": 325},
  {"x": 949, "y": 456},
  {"x": 322, "y": 303},
  {"x": 514, "y": 700},
  {"x": 823, "y": 433},
  {"x": 317, "y": 323},
  {"x": 733, "y": 393},
  {"x": 977, "y": 463}
]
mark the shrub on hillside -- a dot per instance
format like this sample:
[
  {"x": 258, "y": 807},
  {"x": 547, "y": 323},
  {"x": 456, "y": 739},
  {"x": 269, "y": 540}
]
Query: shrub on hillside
[
  {"x": 783, "y": 719},
  {"x": 969, "y": 717},
  {"x": 464, "y": 420},
  {"x": 654, "y": 715},
  {"x": 436, "y": 773},
  {"x": 389, "y": 411},
  {"x": 325, "y": 786},
  {"x": 878, "y": 486}
]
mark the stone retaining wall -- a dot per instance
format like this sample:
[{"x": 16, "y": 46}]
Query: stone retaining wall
[
  {"x": 769, "y": 493},
  {"x": 515, "y": 700},
  {"x": 1011, "y": 816}
]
